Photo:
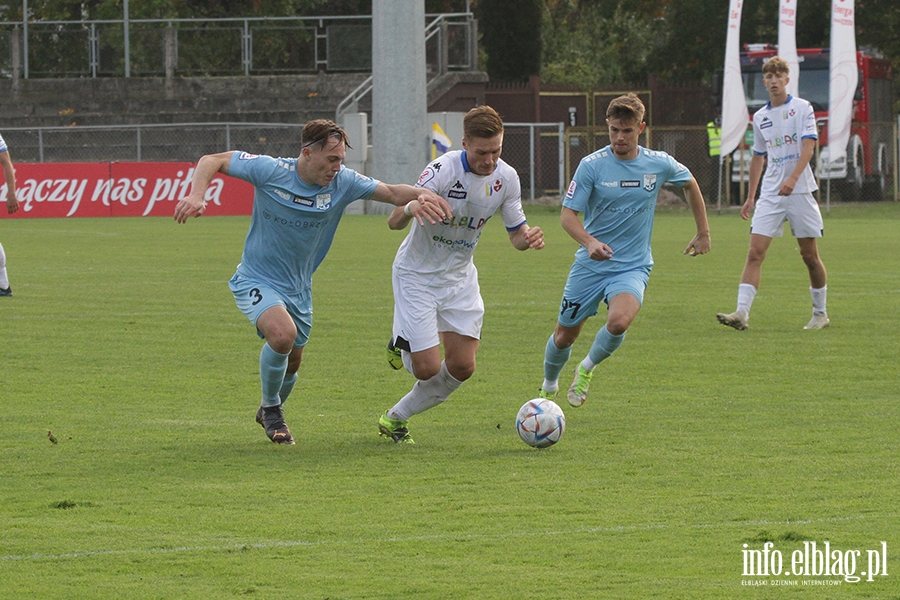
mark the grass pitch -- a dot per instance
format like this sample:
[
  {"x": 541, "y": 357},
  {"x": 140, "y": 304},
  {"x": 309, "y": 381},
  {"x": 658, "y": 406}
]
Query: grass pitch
[{"x": 123, "y": 340}]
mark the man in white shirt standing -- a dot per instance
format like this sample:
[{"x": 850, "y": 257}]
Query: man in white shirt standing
[
  {"x": 437, "y": 299},
  {"x": 784, "y": 131},
  {"x": 12, "y": 205}
]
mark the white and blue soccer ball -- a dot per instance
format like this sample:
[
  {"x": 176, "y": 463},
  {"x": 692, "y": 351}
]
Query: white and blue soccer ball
[{"x": 540, "y": 423}]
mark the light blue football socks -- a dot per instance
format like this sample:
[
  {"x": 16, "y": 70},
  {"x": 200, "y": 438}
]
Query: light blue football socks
[{"x": 272, "y": 367}]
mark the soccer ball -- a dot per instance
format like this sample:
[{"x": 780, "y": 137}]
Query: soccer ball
[{"x": 540, "y": 423}]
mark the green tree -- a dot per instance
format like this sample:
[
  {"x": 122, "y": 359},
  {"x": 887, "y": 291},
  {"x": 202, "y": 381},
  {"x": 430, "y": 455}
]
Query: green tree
[
  {"x": 588, "y": 44},
  {"x": 512, "y": 38}
]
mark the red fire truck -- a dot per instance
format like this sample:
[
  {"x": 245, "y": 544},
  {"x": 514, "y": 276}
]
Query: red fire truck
[{"x": 866, "y": 170}]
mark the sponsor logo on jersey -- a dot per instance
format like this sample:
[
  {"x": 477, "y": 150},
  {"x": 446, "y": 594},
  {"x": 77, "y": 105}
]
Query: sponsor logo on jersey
[
  {"x": 650, "y": 182},
  {"x": 437, "y": 167},
  {"x": 766, "y": 123},
  {"x": 630, "y": 183},
  {"x": 247, "y": 156},
  {"x": 323, "y": 201},
  {"x": 302, "y": 201},
  {"x": 787, "y": 140},
  {"x": 457, "y": 190},
  {"x": 610, "y": 184},
  {"x": 571, "y": 191}
]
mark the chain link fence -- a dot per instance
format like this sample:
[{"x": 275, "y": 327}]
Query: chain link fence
[
  {"x": 544, "y": 154},
  {"x": 723, "y": 180},
  {"x": 534, "y": 149}
]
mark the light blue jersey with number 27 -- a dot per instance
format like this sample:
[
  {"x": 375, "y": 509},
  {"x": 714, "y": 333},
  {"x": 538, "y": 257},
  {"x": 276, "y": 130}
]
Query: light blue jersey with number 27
[
  {"x": 618, "y": 198},
  {"x": 293, "y": 222}
]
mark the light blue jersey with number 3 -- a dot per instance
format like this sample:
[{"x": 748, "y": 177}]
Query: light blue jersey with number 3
[
  {"x": 618, "y": 198},
  {"x": 293, "y": 222}
]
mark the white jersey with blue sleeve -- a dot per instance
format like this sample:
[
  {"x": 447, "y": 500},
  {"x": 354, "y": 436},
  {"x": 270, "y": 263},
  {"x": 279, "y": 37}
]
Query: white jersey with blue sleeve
[
  {"x": 441, "y": 254},
  {"x": 3, "y": 146},
  {"x": 618, "y": 199},
  {"x": 293, "y": 222},
  {"x": 779, "y": 133}
]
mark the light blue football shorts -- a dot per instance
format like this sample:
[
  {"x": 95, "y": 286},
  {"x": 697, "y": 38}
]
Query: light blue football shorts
[
  {"x": 585, "y": 288},
  {"x": 254, "y": 297}
]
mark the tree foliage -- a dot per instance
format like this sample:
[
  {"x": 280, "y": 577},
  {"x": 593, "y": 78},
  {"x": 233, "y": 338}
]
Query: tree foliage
[
  {"x": 512, "y": 38},
  {"x": 594, "y": 43}
]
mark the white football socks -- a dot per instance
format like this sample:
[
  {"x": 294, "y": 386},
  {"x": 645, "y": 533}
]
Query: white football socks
[
  {"x": 425, "y": 394},
  {"x": 818, "y": 299},
  {"x": 746, "y": 294}
]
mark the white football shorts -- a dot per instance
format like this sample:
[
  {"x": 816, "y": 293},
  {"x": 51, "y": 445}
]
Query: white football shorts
[
  {"x": 800, "y": 210},
  {"x": 421, "y": 312}
]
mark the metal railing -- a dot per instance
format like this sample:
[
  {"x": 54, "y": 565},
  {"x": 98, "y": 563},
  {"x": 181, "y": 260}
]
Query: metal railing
[
  {"x": 225, "y": 46},
  {"x": 449, "y": 45},
  {"x": 534, "y": 149}
]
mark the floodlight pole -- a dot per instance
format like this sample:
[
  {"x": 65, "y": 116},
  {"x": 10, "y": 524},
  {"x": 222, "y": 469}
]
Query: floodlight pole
[{"x": 401, "y": 135}]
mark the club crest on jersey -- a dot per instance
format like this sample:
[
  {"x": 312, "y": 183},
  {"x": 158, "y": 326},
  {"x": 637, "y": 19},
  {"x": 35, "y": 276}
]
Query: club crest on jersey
[
  {"x": 323, "y": 201},
  {"x": 650, "y": 182},
  {"x": 498, "y": 185},
  {"x": 426, "y": 176}
]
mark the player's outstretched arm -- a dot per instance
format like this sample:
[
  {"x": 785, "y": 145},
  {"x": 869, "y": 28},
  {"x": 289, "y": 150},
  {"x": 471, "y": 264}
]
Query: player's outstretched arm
[
  {"x": 701, "y": 242},
  {"x": 193, "y": 205},
  {"x": 429, "y": 205}
]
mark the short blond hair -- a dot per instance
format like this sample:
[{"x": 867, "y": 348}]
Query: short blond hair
[
  {"x": 482, "y": 122},
  {"x": 776, "y": 65}
]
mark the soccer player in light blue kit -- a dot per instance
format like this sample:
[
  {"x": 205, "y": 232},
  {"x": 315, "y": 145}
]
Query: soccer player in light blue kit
[
  {"x": 616, "y": 189},
  {"x": 297, "y": 205}
]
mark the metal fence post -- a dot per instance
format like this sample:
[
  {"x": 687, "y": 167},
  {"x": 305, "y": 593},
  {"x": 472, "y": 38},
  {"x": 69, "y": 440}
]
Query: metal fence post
[
  {"x": 94, "y": 50},
  {"x": 531, "y": 159},
  {"x": 25, "y": 36},
  {"x": 127, "y": 41},
  {"x": 246, "y": 48},
  {"x": 138, "y": 130},
  {"x": 562, "y": 159}
]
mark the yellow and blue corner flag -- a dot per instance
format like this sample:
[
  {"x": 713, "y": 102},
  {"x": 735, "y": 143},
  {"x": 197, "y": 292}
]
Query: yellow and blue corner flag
[{"x": 440, "y": 143}]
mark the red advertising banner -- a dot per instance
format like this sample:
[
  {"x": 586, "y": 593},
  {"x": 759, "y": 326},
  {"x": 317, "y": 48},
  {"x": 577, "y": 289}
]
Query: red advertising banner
[{"x": 119, "y": 190}]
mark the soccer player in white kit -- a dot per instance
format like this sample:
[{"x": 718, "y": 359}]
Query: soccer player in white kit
[
  {"x": 12, "y": 205},
  {"x": 437, "y": 299},
  {"x": 784, "y": 131}
]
